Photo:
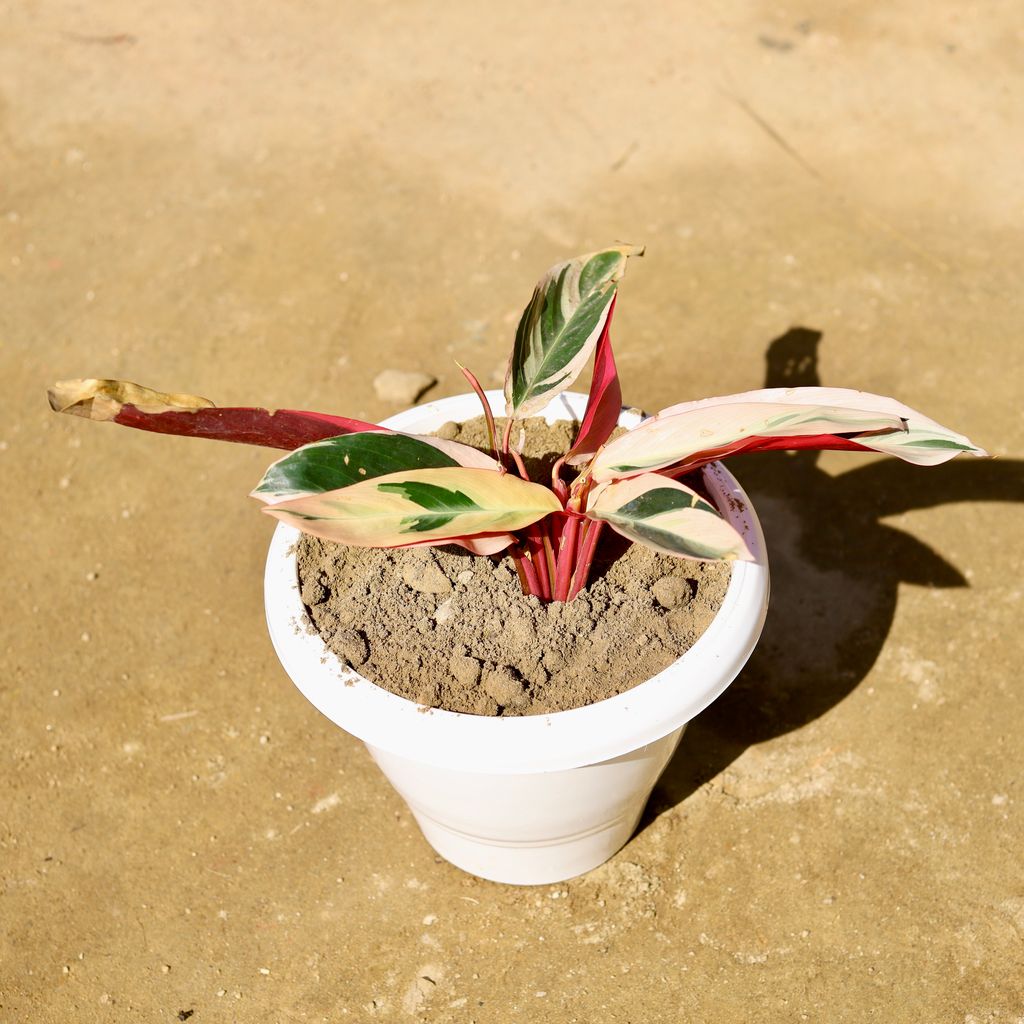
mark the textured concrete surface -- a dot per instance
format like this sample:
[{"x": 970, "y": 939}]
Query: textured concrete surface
[{"x": 275, "y": 202}]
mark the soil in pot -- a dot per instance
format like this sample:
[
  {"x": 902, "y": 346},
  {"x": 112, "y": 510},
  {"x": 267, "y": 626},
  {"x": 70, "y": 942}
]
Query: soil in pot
[{"x": 450, "y": 630}]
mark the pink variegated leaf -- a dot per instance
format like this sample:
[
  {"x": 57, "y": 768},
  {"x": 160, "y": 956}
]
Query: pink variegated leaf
[
  {"x": 420, "y": 506},
  {"x": 604, "y": 403},
  {"x": 132, "y": 405},
  {"x": 669, "y": 517},
  {"x": 337, "y": 462},
  {"x": 686, "y": 436},
  {"x": 560, "y": 327}
]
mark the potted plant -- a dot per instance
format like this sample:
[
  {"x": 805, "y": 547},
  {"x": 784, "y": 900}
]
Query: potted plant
[{"x": 530, "y": 799}]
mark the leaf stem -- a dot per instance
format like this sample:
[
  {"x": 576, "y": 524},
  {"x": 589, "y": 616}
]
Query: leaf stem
[
  {"x": 538, "y": 560},
  {"x": 566, "y": 559},
  {"x": 527, "y": 573},
  {"x": 557, "y": 484},
  {"x": 520, "y": 571},
  {"x": 549, "y": 554},
  {"x": 492, "y": 434},
  {"x": 520, "y": 465},
  {"x": 588, "y": 546},
  {"x": 507, "y": 434}
]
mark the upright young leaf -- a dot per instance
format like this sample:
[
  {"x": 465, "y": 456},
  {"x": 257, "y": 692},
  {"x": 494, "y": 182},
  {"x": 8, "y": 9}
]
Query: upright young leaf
[
  {"x": 560, "y": 327},
  {"x": 686, "y": 436},
  {"x": 669, "y": 517},
  {"x": 337, "y": 462},
  {"x": 132, "y": 405},
  {"x": 604, "y": 403},
  {"x": 420, "y": 506}
]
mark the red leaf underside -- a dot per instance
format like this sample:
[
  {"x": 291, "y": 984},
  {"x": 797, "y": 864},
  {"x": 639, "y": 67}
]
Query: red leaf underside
[
  {"x": 605, "y": 399},
  {"x": 285, "y": 428},
  {"x": 815, "y": 442}
]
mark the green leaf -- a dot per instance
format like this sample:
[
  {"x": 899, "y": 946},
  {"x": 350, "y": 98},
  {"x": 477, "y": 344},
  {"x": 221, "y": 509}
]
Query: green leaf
[
  {"x": 688, "y": 435},
  {"x": 340, "y": 461},
  {"x": 466, "y": 505},
  {"x": 663, "y": 499},
  {"x": 667, "y": 516},
  {"x": 443, "y": 503},
  {"x": 561, "y": 326},
  {"x": 937, "y": 442}
]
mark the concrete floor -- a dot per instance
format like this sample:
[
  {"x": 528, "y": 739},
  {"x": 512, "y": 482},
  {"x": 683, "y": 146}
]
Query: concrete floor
[{"x": 267, "y": 204}]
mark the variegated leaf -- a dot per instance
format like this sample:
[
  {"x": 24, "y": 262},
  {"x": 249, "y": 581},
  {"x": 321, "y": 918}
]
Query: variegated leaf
[
  {"x": 132, "y": 405},
  {"x": 419, "y": 506},
  {"x": 689, "y": 435},
  {"x": 560, "y": 327},
  {"x": 338, "y": 462},
  {"x": 669, "y": 517}
]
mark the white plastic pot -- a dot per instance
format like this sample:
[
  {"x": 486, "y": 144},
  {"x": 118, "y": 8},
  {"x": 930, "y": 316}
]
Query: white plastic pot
[{"x": 536, "y": 799}]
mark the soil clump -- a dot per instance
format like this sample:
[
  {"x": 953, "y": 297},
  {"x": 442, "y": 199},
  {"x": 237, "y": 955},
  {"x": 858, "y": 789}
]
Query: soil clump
[{"x": 451, "y": 630}]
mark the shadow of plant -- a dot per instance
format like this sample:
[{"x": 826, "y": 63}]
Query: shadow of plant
[{"x": 835, "y": 571}]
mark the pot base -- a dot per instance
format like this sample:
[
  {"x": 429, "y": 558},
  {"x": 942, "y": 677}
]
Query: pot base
[{"x": 534, "y": 829}]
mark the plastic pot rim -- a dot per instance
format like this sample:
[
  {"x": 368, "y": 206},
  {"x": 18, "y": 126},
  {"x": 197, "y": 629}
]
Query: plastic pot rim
[{"x": 522, "y": 744}]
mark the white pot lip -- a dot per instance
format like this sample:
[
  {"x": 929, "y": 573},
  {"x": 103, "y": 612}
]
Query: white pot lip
[{"x": 537, "y": 743}]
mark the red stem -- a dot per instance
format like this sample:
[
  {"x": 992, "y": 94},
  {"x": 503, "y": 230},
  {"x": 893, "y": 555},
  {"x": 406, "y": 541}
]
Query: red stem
[
  {"x": 535, "y": 545},
  {"x": 528, "y": 573},
  {"x": 520, "y": 572},
  {"x": 546, "y": 531},
  {"x": 566, "y": 559},
  {"x": 586, "y": 558},
  {"x": 557, "y": 484},
  {"x": 520, "y": 465},
  {"x": 492, "y": 434}
]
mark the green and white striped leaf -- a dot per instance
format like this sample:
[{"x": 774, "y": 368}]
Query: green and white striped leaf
[
  {"x": 420, "y": 506},
  {"x": 341, "y": 461},
  {"x": 560, "y": 327},
  {"x": 669, "y": 517},
  {"x": 696, "y": 432}
]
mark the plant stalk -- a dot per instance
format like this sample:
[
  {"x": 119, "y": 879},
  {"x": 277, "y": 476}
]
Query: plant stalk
[
  {"x": 527, "y": 572},
  {"x": 538, "y": 560},
  {"x": 588, "y": 545},
  {"x": 566, "y": 559},
  {"x": 492, "y": 434}
]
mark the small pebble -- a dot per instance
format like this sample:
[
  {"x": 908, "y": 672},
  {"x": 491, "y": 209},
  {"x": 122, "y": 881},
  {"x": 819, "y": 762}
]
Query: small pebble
[
  {"x": 465, "y": 670},
  {"x": 352, "y": 645},
  {"x": 672, "y": 591},
  {"x": 427, "y": 579},
  {"x": 502, "y": 685},
  {"x": 444, "y": 613}
]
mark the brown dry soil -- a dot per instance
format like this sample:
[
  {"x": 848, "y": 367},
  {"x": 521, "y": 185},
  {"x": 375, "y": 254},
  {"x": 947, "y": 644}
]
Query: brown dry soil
[
  {"x": 445, "y": 629},
  {"x": 448, "y": 630},
  {"x": 273, "y": 203}
]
